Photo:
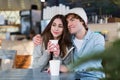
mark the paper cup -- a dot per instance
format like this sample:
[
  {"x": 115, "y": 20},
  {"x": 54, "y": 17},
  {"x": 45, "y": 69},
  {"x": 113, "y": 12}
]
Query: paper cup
[
  {"x": 55, "y": 42},
  {"x": 54, "y": 67}
]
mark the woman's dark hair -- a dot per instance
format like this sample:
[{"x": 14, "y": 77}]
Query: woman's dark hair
[
  {"x": 77, "y": 17},
  {"x": 65, "y": 38}
]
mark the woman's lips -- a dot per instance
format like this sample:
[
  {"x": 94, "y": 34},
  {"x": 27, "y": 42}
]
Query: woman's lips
[{"x": 56, "y": 32}]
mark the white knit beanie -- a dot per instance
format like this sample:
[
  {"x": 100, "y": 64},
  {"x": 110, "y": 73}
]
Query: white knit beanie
[{"x": 79, "y": 11}]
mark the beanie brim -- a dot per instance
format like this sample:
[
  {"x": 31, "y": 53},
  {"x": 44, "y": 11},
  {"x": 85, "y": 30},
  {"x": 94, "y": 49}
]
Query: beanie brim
[{"x": 80, "y": 12}]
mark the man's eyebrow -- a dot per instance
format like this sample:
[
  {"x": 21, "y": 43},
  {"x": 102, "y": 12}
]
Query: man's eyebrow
[{"x": 72, "y": 17}]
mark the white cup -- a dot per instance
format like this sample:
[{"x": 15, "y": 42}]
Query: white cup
[
  {"x": 54, "y": 67},
  {"x": 55, "y": 42}
]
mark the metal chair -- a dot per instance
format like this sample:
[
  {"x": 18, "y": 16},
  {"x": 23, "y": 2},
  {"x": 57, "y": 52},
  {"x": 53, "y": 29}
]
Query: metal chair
[{"x": 7, "y": 58}]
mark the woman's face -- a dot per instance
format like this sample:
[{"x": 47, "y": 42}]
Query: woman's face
[{"x": 57, "y": 28}]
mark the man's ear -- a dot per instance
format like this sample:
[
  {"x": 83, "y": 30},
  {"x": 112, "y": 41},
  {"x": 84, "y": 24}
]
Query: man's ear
[{"x": 82, "y": 22}]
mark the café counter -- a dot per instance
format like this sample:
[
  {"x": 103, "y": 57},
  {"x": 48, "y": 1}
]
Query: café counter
[{"x": 111, "y": 31}]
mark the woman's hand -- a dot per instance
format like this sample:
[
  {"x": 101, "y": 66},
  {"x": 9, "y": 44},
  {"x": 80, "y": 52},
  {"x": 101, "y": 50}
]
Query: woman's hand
[
  {"x": 37, "y": 40},
  {"x": 63, "y": 68},
  {"x": 48, "y": 70},
  {"x": 56, "y": 52},
  {"x": 53, "y": 48}
]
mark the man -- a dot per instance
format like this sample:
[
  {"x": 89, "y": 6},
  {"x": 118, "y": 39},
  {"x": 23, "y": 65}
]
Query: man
[{"x": 86, "y": 42}]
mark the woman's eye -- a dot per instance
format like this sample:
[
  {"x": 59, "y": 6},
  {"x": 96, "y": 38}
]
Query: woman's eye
[
  {"x": 60, "y": 26},
  {"x": 53, "y": 25}
]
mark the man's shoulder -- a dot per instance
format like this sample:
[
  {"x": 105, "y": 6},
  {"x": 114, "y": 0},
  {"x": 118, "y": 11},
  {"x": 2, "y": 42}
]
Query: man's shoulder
[{"x": 96, "y": 35}]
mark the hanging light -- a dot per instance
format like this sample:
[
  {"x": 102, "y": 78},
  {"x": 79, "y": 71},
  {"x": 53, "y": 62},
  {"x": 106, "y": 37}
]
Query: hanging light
[
  {"x": 42, "y": 6},
  {"x": 42, "y": 0}
]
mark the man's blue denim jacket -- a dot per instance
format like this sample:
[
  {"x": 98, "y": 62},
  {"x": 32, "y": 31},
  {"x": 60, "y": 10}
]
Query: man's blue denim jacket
[{"x": 92, "y": 43}]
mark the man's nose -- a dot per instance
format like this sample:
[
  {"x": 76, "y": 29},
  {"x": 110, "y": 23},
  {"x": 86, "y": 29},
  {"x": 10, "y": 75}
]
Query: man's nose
[{"x": 69, "y": 24}]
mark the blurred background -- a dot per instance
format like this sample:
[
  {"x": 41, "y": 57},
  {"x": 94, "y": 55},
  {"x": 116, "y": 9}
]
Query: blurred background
[{"x": 21, "y": 20}]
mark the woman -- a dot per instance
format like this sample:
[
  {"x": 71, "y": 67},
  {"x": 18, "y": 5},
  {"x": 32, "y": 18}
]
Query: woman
[{"x": 55, "y": 30}]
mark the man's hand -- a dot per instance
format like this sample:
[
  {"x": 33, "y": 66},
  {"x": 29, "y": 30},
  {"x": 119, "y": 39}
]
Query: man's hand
[{"x": 37, "y": 40}]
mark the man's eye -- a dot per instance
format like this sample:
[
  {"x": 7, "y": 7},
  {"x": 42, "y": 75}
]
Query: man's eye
[{"x": 72, "y": 19}]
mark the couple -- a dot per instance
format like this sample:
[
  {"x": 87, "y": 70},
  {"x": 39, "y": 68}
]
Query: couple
[{"x": 75, "y": 41}]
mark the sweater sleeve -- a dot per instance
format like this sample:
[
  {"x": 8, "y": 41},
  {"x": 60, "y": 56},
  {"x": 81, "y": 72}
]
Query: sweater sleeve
[{"x": 40, "y": 57}]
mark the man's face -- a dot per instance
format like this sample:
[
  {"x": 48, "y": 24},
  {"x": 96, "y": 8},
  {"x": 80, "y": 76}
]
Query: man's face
[{"x": 74, "y": 25}]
